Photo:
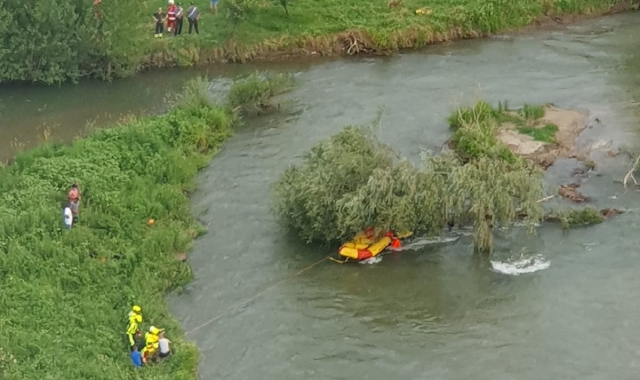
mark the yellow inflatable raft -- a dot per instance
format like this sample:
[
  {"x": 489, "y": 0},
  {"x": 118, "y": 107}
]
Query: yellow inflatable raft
[{"x": 363, "y": 246}]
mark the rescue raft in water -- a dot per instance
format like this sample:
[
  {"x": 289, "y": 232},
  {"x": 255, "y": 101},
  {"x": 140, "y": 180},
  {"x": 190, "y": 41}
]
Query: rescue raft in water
[{"x": 365, "y": 246}]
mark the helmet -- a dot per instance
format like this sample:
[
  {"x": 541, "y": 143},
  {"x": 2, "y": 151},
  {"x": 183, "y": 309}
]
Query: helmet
[
  {"x": 154, "y": 330},
  {"x": 137, "y": 308}
]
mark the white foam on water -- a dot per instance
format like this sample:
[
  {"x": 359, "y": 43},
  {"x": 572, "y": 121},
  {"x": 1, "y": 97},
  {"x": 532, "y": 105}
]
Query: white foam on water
[
  {"x": 522, "y": 266},
  {"x": 421, "y": 242},
  {"x": 372, "y": 260}
]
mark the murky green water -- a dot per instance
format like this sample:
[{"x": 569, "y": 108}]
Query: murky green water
[{"x": 437, "y": 312}]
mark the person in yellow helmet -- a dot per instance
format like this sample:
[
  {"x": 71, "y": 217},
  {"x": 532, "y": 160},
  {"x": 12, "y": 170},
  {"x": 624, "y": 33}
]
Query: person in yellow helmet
[
  {"x": 151, "y": 343},
  {"x": 133, "y": 328}
]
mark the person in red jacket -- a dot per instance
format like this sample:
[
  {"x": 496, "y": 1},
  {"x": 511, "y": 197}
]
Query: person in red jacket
[{"x": 171, "y": 16}]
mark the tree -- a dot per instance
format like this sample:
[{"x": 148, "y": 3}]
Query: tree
[
  {"x": 352, "y": 181},
  {"x": 241, "y": 11}
]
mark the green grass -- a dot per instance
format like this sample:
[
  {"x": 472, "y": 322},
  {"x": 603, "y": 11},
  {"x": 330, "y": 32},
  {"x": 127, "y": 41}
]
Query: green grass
[
  {"x": 65, "y": 294},
  {"x": 124, "y": 44},
  {"x": 532, "y": 112},
  {"x": 475, "y": 129},
  {"x": 545, "y": 134},
  {"x": 582, "y": 217},
  {"x": 316, "y": 25}
]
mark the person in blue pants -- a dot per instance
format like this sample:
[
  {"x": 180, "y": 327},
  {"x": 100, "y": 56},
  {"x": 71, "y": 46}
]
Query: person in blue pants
[{"x": 136, "y": 357}]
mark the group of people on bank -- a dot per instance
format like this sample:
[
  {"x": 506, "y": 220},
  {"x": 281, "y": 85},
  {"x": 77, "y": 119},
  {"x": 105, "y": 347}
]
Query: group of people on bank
[
  {"x": 174, "y": 19},
  {"x": 153, "y": 347}
]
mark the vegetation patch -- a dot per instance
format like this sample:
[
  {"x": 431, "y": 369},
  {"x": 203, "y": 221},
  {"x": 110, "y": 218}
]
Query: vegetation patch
[
  {"x": 66, "y": 293},
  {"x": 352, "y": 181},
  {"x": 537, "y": 133},
  {"x": 544, "y": 134},
  {"x": 252, "y": 95},
  {"x": 115, "y": 38}
]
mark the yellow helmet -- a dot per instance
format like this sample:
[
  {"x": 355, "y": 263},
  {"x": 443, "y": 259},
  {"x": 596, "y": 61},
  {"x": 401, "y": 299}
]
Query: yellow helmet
[
  {"x": 154, "y": 330},
  {"x": 137, "y": 309}
]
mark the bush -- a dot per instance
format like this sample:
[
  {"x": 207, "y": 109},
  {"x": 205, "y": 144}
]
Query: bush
[
  {"x": 352, "y": 181},
  {"x": 253, "y": 94}
]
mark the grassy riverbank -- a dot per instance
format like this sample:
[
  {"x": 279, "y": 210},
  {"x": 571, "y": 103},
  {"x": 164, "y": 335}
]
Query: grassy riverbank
[
  {"x": 65, "y": 294},
  {"x": 125, "y": 45}
]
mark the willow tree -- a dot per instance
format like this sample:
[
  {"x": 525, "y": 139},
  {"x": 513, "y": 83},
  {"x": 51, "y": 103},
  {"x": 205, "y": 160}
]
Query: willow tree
[{"x": 352, "y": 181}]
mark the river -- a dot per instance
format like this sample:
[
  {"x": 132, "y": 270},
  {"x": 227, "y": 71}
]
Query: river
[{"x": 436, "y": 312}]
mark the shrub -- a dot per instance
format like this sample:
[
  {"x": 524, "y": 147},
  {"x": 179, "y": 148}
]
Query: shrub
[
  {"x": 352, "y": 181},
  {"x": 253, "y": 94}
]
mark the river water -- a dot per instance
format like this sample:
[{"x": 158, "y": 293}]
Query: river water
[{"x": 436, "y": 312}]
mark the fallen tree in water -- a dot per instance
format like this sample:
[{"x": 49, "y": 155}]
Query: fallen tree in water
[{"x": 352, "y": 181}]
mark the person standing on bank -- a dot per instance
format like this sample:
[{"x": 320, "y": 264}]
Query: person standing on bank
[
  {"x": 214, "y": 6},
  {"x": 193, "y": 14},
  {"x": 171, "y": 16},
  {"x": 159, "y": 18},
  {"x": 179, "y": 19},
  {"x": 74, "y": 201}
]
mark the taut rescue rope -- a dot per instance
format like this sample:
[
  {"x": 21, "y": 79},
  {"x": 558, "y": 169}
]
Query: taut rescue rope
[{"x": 210, "y": 321}]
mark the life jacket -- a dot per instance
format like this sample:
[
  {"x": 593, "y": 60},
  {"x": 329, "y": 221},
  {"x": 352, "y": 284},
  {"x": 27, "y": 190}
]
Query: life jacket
[
  {"x": 151, "y": 339},
  {"x": 134, "y": 321},
  {"x": 171, "y": 13}
]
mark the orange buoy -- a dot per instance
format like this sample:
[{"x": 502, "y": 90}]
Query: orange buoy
[{"x": 151, "y": 222}]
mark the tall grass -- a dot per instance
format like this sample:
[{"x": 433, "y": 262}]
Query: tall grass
[
  {"x": 65, "y": 294},
  {"x": 252, "y": 95},
  {"x": 475, "y": 129}
]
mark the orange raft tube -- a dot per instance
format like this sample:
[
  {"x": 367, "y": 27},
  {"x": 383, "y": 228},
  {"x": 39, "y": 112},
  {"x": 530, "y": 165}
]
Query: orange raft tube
[{"x": 364, "y": 246}]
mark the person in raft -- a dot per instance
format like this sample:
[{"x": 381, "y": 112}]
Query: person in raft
[
  {"x": 74, "y": 201},
  {"x": 68, "y": 216},
  {"x": 133, "y": 328},
  {"x": 164, "y": 346},
  {"x": 136, "y": 357}
]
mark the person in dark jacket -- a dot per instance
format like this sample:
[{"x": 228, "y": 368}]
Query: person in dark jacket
[
  {"x": 193, "y": 15},
  {"x": 159, "y": 17},
  {"x": 179, "y": 19}
]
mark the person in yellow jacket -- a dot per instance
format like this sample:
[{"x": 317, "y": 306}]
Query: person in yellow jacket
[
  {"x": 151, "y": 343},
  {"x": 133, "y": 328}
]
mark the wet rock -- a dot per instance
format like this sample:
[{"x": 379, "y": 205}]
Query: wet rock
[
  {"x": 571, "y": 192},
  {"x": 609, "y": 212}
]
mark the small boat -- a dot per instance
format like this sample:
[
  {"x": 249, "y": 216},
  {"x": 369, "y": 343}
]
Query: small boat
[{"x": 365, "y": 245}]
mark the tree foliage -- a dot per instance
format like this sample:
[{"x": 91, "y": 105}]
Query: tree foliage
[
  {"x": 241, "y": 11},
  {"x": 253, "y": 94},
  {"x": 352, "y": 181},
  {"x": 54, "y": 41}
]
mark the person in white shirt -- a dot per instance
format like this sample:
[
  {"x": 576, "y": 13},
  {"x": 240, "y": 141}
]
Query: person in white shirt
[
  {"x": 164, "y": 343},
  {"x": 68, "y": 217}
]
